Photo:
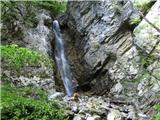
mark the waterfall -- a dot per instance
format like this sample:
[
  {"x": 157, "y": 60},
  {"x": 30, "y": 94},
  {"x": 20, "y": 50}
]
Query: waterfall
[{"x": 62, "y": 63}]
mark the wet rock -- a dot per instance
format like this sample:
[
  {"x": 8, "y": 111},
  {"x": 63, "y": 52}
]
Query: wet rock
[
  {"x": 56, "y": 95},
  {"x": 95, "y": 117},
  {"x": 114, "y": 115},
  {"x": 106, "y": 56},
  {"x": 75, "y": 109},
  {"x": 79, "y": 117},
  {"x": 102, "y": 108}
]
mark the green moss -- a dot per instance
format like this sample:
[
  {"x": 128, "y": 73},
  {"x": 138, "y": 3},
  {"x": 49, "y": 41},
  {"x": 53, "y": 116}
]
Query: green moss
[
  {"x": 18, "y": 57},
  {"x": 28, "y": 103},
  {"x": 157, "y": 108}
]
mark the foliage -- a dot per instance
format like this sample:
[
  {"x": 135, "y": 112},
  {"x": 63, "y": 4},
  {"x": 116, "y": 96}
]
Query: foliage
[
  {"x": 142, "y": 5},
  {"x": 55, "y": 6},
  {"x": 28, "y": 103},
  {"x": 134, "y": 21},
  {"x": 18, "y": 15},
  {"x": 157, "y": 108},
  {"x": 11, "y": 10},
  {"x": 18, "y": 57},
  {"x": 146, "y": 60}
]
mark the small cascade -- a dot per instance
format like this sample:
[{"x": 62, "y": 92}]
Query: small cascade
[{"x": 62, "y": 63}]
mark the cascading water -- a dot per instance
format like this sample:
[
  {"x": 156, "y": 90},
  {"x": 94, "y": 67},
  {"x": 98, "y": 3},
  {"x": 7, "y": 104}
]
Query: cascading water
[{"x": 63, "y": 66}]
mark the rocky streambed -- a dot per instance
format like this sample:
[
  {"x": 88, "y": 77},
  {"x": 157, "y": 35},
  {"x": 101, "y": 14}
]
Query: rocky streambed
[{"x": 83, "y": 107}]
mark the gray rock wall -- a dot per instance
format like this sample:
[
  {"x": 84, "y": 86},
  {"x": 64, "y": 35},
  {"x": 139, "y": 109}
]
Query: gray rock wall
[
  {"x": 40, "y": 37},
  {"x": 102, "y": 40},
  {"x": 102, "y": 49}
]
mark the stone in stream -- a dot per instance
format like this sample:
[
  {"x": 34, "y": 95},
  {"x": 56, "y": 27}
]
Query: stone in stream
[
  {"x": 56, "y": 95},
  {"x": 95, "y": 117},
  {"x": 79, "y": 117},
  {"x": 114, "y": 115}
]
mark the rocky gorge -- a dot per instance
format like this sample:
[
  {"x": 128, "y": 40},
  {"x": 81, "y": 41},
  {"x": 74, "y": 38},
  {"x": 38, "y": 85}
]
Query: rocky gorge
[{"x": 112, "y": 47}]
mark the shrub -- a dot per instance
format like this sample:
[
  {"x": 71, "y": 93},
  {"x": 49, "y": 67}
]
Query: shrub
[
  {"x": 54, "y": 6},
  {"x": 17, "y": 103},
  {"x": 17, "y": 57},
  {"x": 134, "y": 21}
]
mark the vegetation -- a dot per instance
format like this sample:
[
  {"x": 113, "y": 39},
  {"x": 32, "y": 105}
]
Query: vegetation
[
  {"x": 157, "y": 108},
  {"x": 55, "y": 6},
  {"x": 146, "y": 60},
  {"x": 18, "y": 57},
  {"x": 17, "y": 15},
  {"x": 142, "y": 5},
  {"x": 134, "y": 21},
  {"x": 26, "y": 103}
]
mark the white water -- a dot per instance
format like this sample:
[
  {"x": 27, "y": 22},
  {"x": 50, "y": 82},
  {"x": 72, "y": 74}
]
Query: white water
[{"x": 62, "y": 63}]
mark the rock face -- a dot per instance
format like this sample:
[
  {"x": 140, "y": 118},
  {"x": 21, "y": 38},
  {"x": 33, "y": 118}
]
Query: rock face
[
  {"x": 108, "y": 56},
  {"x": 147, "y": 39},
  {"x": 105, "y": 53},
  {"x": 40, "y": 38},
  {"x": 103, "y": 42}
]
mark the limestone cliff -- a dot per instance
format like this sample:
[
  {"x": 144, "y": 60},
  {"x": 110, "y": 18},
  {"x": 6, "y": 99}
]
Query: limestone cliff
[{"x": 103, "y": 50}]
